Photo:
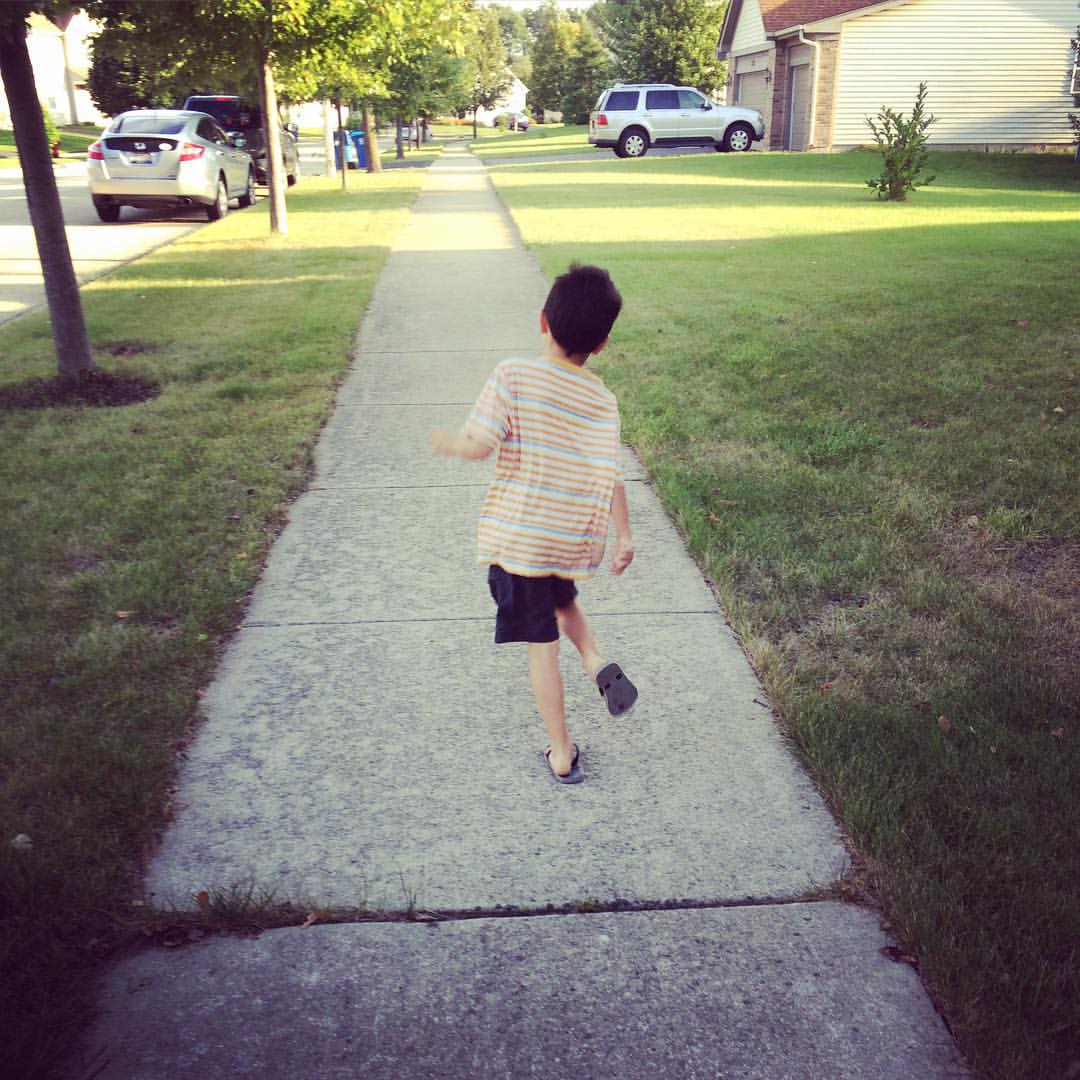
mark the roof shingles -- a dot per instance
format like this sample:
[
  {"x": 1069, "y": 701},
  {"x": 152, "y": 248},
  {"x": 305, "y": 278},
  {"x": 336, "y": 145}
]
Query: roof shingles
[{"x": 780, "y": 14}]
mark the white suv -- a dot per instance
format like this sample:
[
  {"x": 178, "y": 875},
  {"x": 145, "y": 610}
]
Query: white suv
[{"x": 631, "y": 117}]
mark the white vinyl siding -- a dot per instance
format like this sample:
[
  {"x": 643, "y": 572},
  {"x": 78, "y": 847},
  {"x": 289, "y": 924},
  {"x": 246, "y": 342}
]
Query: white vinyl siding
[
  {"x": 749, "y": 30},
  {"x": 997, "y": 71}
]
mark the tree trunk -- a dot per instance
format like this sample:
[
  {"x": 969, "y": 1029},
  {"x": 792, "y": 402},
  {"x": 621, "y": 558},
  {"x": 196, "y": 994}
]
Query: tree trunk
[
  {"x": 279, "y": 220},
  {"x": 374, "y": 162},
  {"x": 328, "y": 138},
  {"x": 341, "y": 143},
  {"x": 73, "y": 357},
  {"x": 400, "y": 150}
]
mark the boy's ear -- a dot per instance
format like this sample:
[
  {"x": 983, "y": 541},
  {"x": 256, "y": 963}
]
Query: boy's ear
[
  {"x": 543, "y": 321},
  {"x": 601, "y": 347}
]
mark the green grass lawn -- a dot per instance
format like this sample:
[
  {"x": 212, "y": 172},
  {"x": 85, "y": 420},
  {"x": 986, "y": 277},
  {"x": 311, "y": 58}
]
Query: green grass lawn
[
  {"x": 74, "y": 139},
  {"x": 864, "y": 416},
  {"x": 129, "y": 540},
  {"x": 495, "y": 145}
]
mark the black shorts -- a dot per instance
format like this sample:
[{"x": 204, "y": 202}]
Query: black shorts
[{"x": 527, "y": 605}]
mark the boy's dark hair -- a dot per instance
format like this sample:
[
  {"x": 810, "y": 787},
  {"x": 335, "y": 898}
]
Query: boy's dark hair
[{"x": 582, "y": 308}]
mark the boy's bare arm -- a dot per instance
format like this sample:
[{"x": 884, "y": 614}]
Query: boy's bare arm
[
  {"x": 457, "y": 444},
  {"x": 623, "y": 555}
]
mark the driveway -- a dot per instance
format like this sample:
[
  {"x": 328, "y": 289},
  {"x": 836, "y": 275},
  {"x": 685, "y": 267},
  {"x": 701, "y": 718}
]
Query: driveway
[{"x": 96, "y": 248}]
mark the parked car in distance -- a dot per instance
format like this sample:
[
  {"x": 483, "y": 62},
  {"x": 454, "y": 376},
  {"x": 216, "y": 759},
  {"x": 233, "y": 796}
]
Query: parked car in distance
[
  {"x": 515, "y": 121},
  {"x": 631, "y": 117},
  {"x": 243, "y": 120},
  {"x": 163, "y": 158}
]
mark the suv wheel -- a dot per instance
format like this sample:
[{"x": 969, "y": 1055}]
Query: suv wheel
[
  {"x": 632, "y": 143},
  {"x": 737, "y": 138}
]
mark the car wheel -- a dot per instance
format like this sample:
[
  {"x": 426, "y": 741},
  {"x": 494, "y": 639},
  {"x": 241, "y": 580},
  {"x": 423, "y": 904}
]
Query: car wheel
[
  {"x": 292, "y": 177},
  {"x": 738, "y": 137},
  {"x": 107, "y": 211},
  {"x": 248, "y": 197},
  {"x": 220, "y": 206},
  {"x": 633, "y": 143}
]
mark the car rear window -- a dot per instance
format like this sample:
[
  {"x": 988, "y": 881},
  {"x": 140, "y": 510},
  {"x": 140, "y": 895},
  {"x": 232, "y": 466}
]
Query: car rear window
[
  {"x": 662, "y": 99},
  {"x": 622, "y": 101},
  {"x": 149, "y": 125}
]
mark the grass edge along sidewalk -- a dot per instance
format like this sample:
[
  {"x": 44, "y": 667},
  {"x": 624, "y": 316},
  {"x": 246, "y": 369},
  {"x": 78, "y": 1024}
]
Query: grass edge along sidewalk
[
  {"x": 131, "y": 537},
  {"x": 864, "y": 418}
]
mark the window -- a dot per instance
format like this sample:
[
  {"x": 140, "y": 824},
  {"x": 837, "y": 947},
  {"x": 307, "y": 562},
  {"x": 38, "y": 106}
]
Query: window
[
  {"x": 690, "y": 99},
  {"x": 148, "y": 125},
  {"x": 622, "y": 101},
  {"x": 662, "y": 99}
]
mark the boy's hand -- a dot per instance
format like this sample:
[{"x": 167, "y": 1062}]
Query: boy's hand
[
  {"x": 443, "y": 440},
  {"x": 623, "y": 555}
]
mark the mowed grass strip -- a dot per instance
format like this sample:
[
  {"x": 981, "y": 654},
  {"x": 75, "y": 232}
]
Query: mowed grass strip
[
  {"x": 129, "y": 540},
  {"x": 494, "y": 144},
  {"x": 864, "y": 417}
]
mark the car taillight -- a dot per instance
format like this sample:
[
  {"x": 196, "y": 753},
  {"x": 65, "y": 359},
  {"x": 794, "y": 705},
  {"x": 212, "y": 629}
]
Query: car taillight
[
  {"x": 601, "y": 120},
  {"x": 191, "y": 151},
  {"x": 94, "y": 151}
]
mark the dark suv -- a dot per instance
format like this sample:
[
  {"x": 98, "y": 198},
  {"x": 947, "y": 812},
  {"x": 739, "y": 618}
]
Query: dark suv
[{"x": 238, "y": 117}]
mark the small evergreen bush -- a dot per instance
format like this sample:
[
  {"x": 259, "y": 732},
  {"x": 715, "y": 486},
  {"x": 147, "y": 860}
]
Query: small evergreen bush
[
  {"x": 902, "y": 143},
  {"x": 52, "y": 136}
]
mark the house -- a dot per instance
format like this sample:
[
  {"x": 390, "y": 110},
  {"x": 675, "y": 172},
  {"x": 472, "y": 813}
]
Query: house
[
  {"x": 512, "y": 101},
  {"x": 60, "y": 56},
  {"x": 998, "y": 72}
]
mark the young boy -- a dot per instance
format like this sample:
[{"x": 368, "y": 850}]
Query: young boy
[{"x": 544, "y": 522}]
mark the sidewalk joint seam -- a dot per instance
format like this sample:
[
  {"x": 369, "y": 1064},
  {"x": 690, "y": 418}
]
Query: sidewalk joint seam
[{"x": 263, "y": 624}]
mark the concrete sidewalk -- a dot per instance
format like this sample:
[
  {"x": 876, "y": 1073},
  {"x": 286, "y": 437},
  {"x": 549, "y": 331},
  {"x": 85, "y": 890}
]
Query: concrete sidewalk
[{"x": 367, "y": 745}]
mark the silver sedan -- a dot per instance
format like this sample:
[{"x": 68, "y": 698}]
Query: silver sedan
[{"x": 167, "y": 158}]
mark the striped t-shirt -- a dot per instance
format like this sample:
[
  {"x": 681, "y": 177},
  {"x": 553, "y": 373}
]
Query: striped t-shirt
[{"x": 556, "y": 427}]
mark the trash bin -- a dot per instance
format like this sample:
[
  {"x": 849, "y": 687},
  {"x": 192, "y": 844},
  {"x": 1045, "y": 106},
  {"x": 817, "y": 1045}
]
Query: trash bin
[
  {"x": 350, "y": 151},
  {"x": 357, "y": 138}
]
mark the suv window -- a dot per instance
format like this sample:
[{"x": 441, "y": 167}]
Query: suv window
[
  {"x": 622, "y": 101},
  {"x": 661, "y": 99},
  {"x": 690, "y": 99}
]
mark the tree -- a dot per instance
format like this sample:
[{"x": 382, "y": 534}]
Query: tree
[
  {"x": 490, "y": 75},
  {"x": 664, "y": 40},
  {"x": 588, "y": 71},
  {"x": 70, "y": 339},
  {"x": 555, "y": 36},
  {"x": 902, "y": 142},
  {"x": 238, "y": 45}
]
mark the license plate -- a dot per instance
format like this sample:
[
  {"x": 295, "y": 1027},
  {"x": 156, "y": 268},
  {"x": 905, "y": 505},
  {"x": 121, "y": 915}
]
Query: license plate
[{"x": 139, "y": 159}]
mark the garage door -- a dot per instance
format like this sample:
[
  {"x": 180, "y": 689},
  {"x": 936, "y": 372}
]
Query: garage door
[
  {"x": 752, "y": 91},
  {"x": 799, "y": 108}
]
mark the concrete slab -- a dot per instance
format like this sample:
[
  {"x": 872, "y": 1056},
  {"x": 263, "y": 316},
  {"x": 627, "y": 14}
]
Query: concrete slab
[
  {"x": 379, "y": 764},
  {"x": 433, "y": 377},
  {"x": 798, "y": 992},
  {"x": 392, "y": 553},
  {"x": 374, "y": 446}
]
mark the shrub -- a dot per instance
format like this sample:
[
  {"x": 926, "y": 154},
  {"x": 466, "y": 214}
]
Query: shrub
[
  {"x": 52, "y": 136},
  {"x": 502, "y": 121},
  {"x": 902, "y": 143}
]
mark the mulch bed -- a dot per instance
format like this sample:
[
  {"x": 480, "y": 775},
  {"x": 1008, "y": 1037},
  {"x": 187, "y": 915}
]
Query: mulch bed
[{"x": 94, "y": 388}]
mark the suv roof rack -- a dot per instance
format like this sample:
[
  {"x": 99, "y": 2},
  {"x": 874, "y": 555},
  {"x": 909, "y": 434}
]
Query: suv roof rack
[{"x": 665, "y": 85}]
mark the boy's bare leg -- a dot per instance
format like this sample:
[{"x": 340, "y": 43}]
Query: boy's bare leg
[
  {"x": 574, "y": 624},
  {"x": 547, "y": 687}
]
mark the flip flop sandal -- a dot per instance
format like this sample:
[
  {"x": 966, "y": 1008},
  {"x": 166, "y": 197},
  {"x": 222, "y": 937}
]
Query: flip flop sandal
[
  {"x": 619, "y": 692},
  {"x": 576, "y": 773}
]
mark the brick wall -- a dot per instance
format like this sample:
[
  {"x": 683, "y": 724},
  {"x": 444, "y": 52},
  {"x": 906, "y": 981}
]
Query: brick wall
[{"x": 828, "y": 54}]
